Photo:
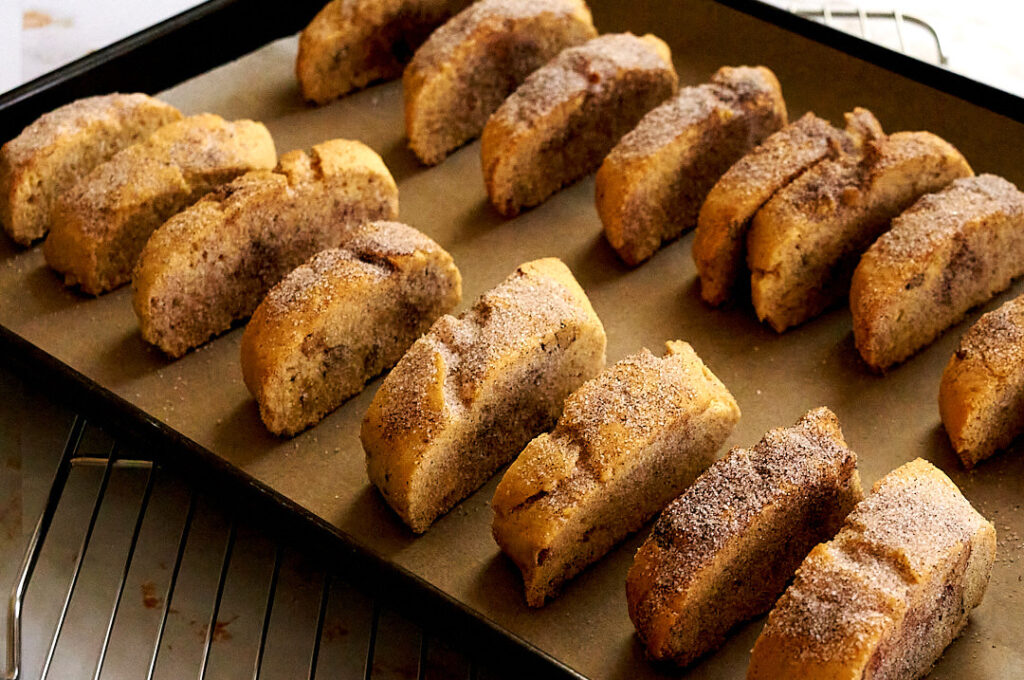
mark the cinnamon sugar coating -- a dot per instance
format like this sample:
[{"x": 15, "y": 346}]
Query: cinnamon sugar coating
[
  {"x": 209, "y": 266},
  {"x": 628, "y": 441},
  {"x": 61, "y": 147},
  {"x": 885, "y": 596},
  {"x": 470, "y": 65},
  {"x": 469, "y": 395},
  {"x": 341, "y": 318},
  {"x": 723, "y": 551},
  {"x": 567, "y": 115},
  {"x": 103, "y": 223},
  {"x": 950, "y": 251}
]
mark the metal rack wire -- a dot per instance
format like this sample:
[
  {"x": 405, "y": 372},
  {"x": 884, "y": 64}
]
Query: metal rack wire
[
  {"x": 866, "y": 18},
  {"x": 392, "y": 646}
]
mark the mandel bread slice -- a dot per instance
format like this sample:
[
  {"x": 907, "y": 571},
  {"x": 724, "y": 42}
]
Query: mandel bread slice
[
  {"x": 720, "y": 241},
  {"x": 568, "y": 114},
  {"x": 352, "y": 43},
  {"x": 950, "y": 251},
  {"x": 210, "y": 265},
  {"x": 468, "y": 66},
  {"x": 469, "y": 394},
  {"x": 102, "y": 224},
  {"x": 806, "y": 241},
  {"x": 628, "y": 442},
  {"x": 886, "y": 596},
  {"x": 341, "y": 318},
  {"x": 724, "y": 550},
  {"x": 649, "y": 189},
  {"x": 61, "y": 147},
  {"x": 981, "y": 394}
]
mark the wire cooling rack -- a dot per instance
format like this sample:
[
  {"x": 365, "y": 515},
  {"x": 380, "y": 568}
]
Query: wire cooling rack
[{"x": 134, "y": 571}]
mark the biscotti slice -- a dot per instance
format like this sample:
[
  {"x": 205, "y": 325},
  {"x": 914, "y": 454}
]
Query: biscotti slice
[
  {"x": 950, "y": 251},
  {"x": 352, "y": 43},
  {"x": 720, "y": 241},
  {"x": 981, "y": 396},
  {"x": 628, "y": 442},
  {"x": 211, "y": 264},
  {"x": 886, "y": 596},
  {"x": 469, "y": 395},
  {"x": 805, "y": 242},
  {"x": 650, "y": 187},
  {"x": 61, "y": 147},
  {"x": 722, "y": 552},
  {"x": 101, "y": 225},
  {"x": 568, "y": 114},
  {"x": 468, "y": 67},
  {"x": 342, "y": 318}
]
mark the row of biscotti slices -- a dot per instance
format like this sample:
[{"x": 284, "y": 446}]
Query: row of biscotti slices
[
  {"x": 882, "y": 585},
  {"x": 899, "y": 221}
]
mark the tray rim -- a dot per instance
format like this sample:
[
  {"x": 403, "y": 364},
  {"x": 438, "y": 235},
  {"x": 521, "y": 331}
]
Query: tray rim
[{"x": 138, "y": 63}]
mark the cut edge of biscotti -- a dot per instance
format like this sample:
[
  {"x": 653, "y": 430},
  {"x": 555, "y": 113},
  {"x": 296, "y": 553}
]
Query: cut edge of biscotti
[
  {"x": 351, "y": 44},
  {"x": 628, "y": 441},
  {"x": 981, "y": 392},
  {"x": 475, "y": 389},
  {"x": 650, "y": 187},
  {"x": 207, "y": 267},
  {"x": 341, "y": 318},
  {"x": 469, "y": 65},
  {"x": 103, "y": 223},
  {"x": 606, "y": 83},
  {"x": 914, "y": 554},
  {"x": 720, "y": 240},
  {"x": 724, "y": 550},
  {"x": 949, "y": 252},
  {"x": 804, "y": 243},
  {"x": 60, "y": 147}
]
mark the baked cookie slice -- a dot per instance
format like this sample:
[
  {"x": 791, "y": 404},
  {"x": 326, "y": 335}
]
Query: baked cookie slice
[
  {"x": 210, "y": 265},
  {"x": 886, "y": 596},
  {"x": 469, "y": 66},
  {"x": 720, "y": 241},
  {"x": 568, "y": 114},
  {"x": 342, "y": 318},
  {"x": 950, "y": 251},
  {"x": 101, "y": 225},
  {"x": 981, "y": 396},
  {"x": 650, "y": 187},
  {"x": 627, "y": 443},
  {"x": 805, "y": 242},
  {"x": 352, "y": 43},
  {"x": 722, "y": 552},
  {"x": 469, "y": 395},
  {"x": 61, "y": 147}
]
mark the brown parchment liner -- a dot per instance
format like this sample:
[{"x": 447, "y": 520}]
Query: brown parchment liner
[{"x": 887, "y": 420}]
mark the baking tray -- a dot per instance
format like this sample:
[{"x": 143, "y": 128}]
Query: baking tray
[{"x": 197, "y": 411}]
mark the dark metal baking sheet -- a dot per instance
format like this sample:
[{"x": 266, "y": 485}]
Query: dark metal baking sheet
[{"x": 199, "y": 404}]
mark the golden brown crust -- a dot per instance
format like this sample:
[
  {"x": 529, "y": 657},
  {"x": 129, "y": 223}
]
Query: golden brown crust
[
  {"x": 62, "y": 146},
  {"x": 340, "y": 319},
  {"x": 723, "y": 551},
  {"x": 885, "y": 596},
  {"x": 210, "y": 265},
  {"x": 649, "y": 189},
  {"x": 805, "y": 242},
  {"x": 628, "y": 441},
  {"x": 102, "y": 224},
  {"x": 470, "y": 65},
  {"x": 981, "y": 395},
  {"x": 720, "y": 242},
  {"x": 469, "y": 395},
  {"x": 352, "y": 43},
  {"x": 559, "y": 124},
  {"x": 950, "y": 251}
]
